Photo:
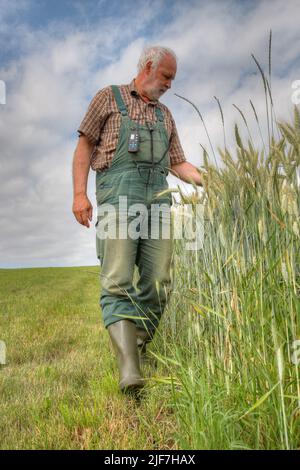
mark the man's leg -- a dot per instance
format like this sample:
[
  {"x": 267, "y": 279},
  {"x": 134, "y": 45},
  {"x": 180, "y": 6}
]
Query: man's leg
[
  {"x": 118, "y": 308},
  {"x": 117, "y": 298},
  {"x": 154, "y": 261}
]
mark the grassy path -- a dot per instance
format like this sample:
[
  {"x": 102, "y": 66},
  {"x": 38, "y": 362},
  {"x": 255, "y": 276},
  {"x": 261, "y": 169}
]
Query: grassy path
[{"x": 59, "y": 388}]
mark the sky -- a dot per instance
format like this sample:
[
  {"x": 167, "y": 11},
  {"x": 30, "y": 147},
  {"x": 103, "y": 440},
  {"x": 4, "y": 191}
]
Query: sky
[{"x": 55, "y": 56}]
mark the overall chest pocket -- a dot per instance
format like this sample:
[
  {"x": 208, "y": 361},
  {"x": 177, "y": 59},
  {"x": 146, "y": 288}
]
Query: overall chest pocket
[{"x": 157, "y": 143}]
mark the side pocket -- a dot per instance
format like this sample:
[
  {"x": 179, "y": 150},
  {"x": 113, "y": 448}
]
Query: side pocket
[{"x": 103, "y": 193}]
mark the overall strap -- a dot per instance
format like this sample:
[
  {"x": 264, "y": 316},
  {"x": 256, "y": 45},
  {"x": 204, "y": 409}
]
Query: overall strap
[
  {"x": 159, "y": 114},
  {"x": 119, "y": 100}
]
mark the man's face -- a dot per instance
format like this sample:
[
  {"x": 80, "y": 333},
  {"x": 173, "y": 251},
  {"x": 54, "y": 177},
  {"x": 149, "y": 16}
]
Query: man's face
[{"x": 160, "y": 78}]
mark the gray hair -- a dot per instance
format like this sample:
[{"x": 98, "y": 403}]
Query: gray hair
[{"x": 155, "y": 54}]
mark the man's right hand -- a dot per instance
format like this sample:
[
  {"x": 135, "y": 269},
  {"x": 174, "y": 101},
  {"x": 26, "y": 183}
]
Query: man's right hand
[{"x": 82, "y": 209}]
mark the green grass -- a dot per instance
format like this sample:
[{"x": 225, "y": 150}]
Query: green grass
[
  {"x": 236, "y": 305},
  {"x": 225, "y": 377},
  {"x": 59, "y": 388}
]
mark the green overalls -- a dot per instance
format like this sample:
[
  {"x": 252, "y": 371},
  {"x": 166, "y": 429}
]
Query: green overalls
[{"x": 138, "y": 177}]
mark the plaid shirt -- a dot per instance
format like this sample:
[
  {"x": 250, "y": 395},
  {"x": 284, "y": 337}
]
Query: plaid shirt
[{"x": 102, "y": 122}]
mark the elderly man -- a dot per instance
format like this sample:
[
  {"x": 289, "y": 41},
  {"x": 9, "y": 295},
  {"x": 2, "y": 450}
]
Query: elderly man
[{"x": 130, "y": 139}]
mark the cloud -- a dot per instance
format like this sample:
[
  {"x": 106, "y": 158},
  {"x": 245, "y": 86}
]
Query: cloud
[
  {"x": 52, "y": 72},
  {"x": 215, "y": 60}
]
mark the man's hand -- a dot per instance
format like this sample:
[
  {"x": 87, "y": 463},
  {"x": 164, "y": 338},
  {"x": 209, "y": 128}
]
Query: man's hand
[
  {"x": 188, "y": 173},
  {"x": 82, "y": 209}
]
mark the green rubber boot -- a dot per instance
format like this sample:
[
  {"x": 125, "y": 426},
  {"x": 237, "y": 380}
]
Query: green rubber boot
[
  {"x": 143, "y": 338},
  {"x": 123, "y": 337}
]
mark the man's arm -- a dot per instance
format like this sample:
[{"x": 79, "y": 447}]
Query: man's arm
[
  {"x": 179, "y": 166},
  {"x": 82, "y": 207},
  {"x": 187, "y": 172}
]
